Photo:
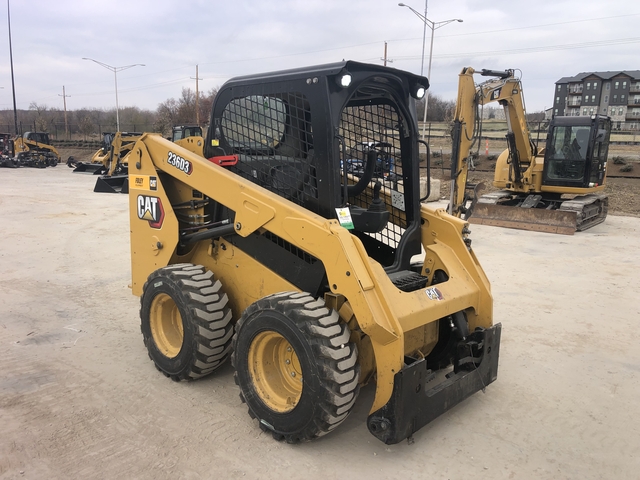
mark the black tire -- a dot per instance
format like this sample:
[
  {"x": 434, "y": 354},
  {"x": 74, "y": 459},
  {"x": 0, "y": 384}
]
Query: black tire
[
  {"x": 185, "y": 321},
  {"x": 327, "y": 361}
]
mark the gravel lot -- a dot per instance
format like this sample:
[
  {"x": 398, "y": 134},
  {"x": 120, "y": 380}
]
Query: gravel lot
[{"x": 79, "y": 398}]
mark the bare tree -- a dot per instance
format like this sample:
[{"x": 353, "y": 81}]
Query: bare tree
[
  {"x": 86, "y": 126},
  {"x": 41, "y": 122},
  {"x": 439, "y": 110},
  {"x": 166, "y": 116},
  {"x": 206, "y": 104}
]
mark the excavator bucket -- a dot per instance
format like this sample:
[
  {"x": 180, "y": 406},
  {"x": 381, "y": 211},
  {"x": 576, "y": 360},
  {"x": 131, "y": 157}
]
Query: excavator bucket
[
  {"x": 113, "y": 184},
  {"x": 534, "y": 219}
]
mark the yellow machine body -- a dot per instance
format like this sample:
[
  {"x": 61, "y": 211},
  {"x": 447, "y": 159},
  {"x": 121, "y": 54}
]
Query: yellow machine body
[
  {"x": 385, "y": 314},
  {"x": 393, "y": 329}
]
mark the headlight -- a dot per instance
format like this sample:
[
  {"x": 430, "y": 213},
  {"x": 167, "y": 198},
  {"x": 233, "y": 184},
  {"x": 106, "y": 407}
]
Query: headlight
[
  {"x": 420, "y": 92},
  {"x": 344, "y": 80}
]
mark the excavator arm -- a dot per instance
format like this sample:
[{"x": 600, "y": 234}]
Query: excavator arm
[{"x": 506, "y": 89}]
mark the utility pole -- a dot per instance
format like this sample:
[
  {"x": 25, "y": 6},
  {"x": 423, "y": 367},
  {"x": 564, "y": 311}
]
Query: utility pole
[
  {"x": 197, "y": 97},
  {"x": 66, "y": 123},
  {"x": 385, "y": 59}
]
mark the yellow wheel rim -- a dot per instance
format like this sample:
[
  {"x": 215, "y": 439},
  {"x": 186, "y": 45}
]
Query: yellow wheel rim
[
  {"x": 275, "y": 371},
  {"x": 166, "y": 325}
]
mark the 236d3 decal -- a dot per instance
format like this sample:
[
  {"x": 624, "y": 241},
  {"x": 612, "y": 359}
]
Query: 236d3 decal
[{"x": 180, "y": 163}]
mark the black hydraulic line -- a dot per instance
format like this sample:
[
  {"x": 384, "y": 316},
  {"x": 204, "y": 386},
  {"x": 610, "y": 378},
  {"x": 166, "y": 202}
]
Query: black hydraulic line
[
  {"x": 456, "y": 134},
  {"x": 221, "y": 231},
  {"x": 515, "y": 157},
  {"x": 496, "y": 73}
]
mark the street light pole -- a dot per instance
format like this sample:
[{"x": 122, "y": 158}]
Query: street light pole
[
  {"x": 433, "y": 26},
  {"x": 115, "y": 71},
  {"x": 13, "y": 83},
  {"x": 424, "y": 38}
]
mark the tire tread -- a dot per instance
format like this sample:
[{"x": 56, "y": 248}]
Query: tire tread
[
  {"x": 208, "y": 311},
  {"x": 335, "y": 356}
]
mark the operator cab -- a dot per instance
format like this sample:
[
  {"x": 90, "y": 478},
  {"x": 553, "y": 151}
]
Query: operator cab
[
  {"x": 185, "y": 131},
  {"x": 329, "y": 138},
  {"x": 38, "y": 137},
  {"x": 576, "y": 151}
]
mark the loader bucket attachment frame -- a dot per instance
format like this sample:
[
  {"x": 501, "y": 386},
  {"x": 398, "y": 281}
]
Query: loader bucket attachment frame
[{"x": 413, "y": 404}]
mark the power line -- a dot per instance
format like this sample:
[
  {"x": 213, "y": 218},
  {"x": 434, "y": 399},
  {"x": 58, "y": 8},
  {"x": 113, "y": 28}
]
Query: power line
[
  {"x": 541, "y": 25},
  {"x": 547, "y": 48}
]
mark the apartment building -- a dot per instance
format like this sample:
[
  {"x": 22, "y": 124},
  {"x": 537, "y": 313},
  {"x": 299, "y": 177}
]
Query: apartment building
[{"x": 616, "y": 94}]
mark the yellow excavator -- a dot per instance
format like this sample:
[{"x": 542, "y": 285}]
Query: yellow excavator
[
  {"x": 558, "y": 189},
  {"x": 314, "y": 277}
]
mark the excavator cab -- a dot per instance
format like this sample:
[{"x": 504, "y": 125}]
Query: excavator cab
[{"x": 576, "y": 152}]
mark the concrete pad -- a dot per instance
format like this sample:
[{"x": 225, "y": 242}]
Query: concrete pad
[{"x": 79, "y": 397}]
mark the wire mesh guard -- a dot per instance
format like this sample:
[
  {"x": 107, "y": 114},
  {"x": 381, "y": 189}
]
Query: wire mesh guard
[
  {"x": 376, "y": 127},
  {"x": 273, "y": 136}
]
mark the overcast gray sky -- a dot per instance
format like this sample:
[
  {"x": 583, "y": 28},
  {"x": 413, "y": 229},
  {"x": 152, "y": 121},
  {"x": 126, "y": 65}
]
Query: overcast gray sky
[{"x": 545, "y": 39}]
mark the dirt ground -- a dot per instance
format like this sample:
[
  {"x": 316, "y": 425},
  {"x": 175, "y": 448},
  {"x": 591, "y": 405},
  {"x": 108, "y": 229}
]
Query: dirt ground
[
  {"x": 623, "y": 193},
  {"x": 79, "y": 397},
  {"x": 623, "y": 189}
]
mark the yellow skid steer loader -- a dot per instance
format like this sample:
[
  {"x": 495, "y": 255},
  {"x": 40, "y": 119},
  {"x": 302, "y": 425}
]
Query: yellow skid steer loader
[{"x": 312, "y": 276}]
